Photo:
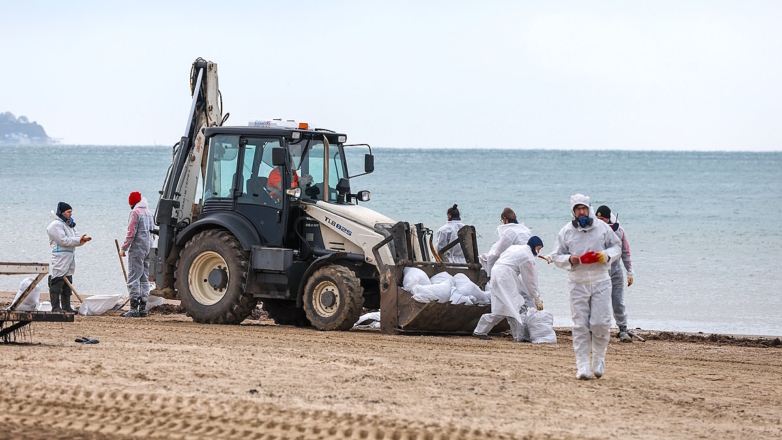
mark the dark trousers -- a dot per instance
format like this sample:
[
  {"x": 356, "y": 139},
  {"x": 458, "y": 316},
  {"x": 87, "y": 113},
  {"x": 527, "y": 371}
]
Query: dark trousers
[{"x": 57, "y": 286}]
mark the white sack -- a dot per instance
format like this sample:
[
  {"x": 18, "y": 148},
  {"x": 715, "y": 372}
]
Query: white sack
[
  {"x": 466, "y": 287},
  {"x": 440, "y": 277},
  {"x": 540, "y": 327},
  {"x": 414, "y": 277},
  {"x": 433, "y": 292},
  {"x": 99, "y": 304},
  {"x": 44, "y": 306},
  {"x": 31, "y": 302},
  {"x": 154, "y": 301},
  {"x": 459, "y": 298},
  {"x": 369, "y": 320}
]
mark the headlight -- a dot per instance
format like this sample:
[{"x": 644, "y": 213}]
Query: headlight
[
  {"x": 294, "y": 192},
  {"x": 362, "y": 196}
]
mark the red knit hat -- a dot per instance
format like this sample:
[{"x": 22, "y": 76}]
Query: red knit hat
[{"x": 134, "y": 198}]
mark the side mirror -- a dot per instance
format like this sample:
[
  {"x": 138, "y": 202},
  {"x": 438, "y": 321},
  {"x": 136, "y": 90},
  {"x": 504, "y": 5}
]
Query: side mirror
[
  {"x": 369, "y": 163},
  {"x": 278, "y": 156}
]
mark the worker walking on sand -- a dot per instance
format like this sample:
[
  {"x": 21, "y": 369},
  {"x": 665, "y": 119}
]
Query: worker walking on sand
[
  {"x": 448, "y": 233},
  {"x": 137, "y": 245},
  {"x": 617, "y": 276},
  {"x": 513, "y": 273},
  {"x": 586, "y": 248},
  {"x": 63, "y": 239}
]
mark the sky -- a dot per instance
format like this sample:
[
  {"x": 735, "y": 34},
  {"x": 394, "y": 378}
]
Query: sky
[{"x": 616, "y": 75}]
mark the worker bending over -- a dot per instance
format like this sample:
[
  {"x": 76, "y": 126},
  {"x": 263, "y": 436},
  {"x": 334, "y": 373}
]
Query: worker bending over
[
  {"x": 513, "y": 273},
  {"x": 586, "y": 248},
  {"x": 137, "y": 245}
]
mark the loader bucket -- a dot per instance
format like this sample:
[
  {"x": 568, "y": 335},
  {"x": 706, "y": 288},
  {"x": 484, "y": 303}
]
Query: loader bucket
[{"x": 399, "y": 312}]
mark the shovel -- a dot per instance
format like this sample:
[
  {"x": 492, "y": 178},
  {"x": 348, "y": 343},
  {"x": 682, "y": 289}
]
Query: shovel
[
  {"x": 125, "y": 273},
  {"x": 72, "y": 289}
]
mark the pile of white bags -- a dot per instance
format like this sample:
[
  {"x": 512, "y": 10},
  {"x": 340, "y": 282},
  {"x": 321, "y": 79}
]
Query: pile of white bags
[
  {"x": 443, "y": 287},
  {"x": 30, "y": 304}
]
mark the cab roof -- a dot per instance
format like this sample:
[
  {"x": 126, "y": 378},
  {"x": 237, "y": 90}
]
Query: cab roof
[{"x": 274, "y": 131}]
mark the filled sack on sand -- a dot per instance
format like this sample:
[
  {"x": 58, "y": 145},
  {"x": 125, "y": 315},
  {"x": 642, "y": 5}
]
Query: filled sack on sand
[
  {"x": 433, "y": 292},
  {"x": 414, "y": 277},
  {"x": 440, "y": 277},
  {"x": 31, "y": 302},
  {"x": 540, "y": 327},
  {"x": 368, "y": 320},
  {"x": 44, "y": 306},
  {"x": 466, "y": 287},
  {"x": 99, "y": 304}
]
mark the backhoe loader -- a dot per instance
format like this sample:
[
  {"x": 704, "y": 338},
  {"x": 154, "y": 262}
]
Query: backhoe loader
[{"x": 265, "y": 213}]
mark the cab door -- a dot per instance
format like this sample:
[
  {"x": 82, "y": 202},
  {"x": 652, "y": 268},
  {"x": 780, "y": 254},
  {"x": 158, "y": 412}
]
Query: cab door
[{"x": 259, "y": 199}]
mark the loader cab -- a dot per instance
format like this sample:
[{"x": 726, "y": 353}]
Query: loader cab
[{"x": 248, "y": 171}]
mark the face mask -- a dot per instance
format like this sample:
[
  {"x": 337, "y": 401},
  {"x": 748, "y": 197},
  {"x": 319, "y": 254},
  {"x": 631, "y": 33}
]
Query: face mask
[{"x": 582, "y": 222}]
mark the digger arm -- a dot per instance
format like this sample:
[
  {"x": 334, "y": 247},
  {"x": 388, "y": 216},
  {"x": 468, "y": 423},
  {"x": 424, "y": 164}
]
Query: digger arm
[{"x": 175, "y": 206}]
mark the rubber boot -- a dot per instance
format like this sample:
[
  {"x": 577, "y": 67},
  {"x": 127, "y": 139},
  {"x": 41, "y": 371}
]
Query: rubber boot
[
  {"x": 623, "y": 336},
  {"x": 66, "y": 303},
  {"x": 142, "y": 309},
  {"x": 54, "y": 298},
  {"x": 133, "y": 312}
]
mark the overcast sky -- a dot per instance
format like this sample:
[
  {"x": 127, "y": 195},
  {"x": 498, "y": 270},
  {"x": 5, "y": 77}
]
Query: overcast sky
[{"x": 574, "y": 75}]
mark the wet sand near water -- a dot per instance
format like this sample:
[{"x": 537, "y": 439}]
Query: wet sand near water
[{"x": 166, "y": 377}]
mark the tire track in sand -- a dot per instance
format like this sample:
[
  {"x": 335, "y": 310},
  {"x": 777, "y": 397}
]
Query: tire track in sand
[{"x": 78, "y": 413}]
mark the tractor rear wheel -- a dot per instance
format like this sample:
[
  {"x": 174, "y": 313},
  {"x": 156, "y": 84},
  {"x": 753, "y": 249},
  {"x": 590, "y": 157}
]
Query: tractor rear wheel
[
  {"x": 333, "y": 298},
  {"x": 285, "y": 312},
  {"x": 211, "y": 276}
]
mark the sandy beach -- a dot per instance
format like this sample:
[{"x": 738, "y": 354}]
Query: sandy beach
[{"x": 166, "y": 377}]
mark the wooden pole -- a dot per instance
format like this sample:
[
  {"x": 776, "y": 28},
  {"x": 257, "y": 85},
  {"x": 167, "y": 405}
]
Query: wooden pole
[
  {"x": 72, "y": 289},
  {"x": 122, "y": 262}
]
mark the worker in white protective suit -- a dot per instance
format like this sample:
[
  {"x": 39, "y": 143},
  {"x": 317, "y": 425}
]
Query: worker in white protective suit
[
  {"x": 586, "y": 248},
  {"x": 448, "y": 233},
  {"x": 510, "y": 232},
  {"x": 63, "y": 239},
  {"x": 513, "y": 273},
  {"x": 617, "y": 277},
  {"x": 137, "y": 246}
]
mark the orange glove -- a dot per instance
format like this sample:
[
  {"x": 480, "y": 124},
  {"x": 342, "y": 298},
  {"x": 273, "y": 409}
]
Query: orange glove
[{"x": 602, "y": 257}]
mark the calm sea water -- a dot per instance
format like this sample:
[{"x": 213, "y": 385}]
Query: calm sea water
[{"x": 704, "y": 229}]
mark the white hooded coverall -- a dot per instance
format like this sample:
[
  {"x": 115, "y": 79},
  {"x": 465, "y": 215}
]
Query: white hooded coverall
[
  {"x": 448, "y": 233},
  {"x": 590, "y": 286},
  {"x": 63, "y": 240},
  {"x": 510, "y": 234},
  {"x": 513, "y": 273},
  {"x": 138, "y": 243}
]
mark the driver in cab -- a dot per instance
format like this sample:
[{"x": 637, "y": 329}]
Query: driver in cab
[{"x": 274, "y": 182}]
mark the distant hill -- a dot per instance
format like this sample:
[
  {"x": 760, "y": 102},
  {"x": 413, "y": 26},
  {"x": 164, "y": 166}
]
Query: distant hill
[{"x": 20, "y": 130}]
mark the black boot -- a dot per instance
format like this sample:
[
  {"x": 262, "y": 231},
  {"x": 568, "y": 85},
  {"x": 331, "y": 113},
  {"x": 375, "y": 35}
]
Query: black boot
[
  {"x": 54, "y": 298},
  {"x": 66, "y": 303},
  {"x": 142, "y": 309},
  {"x": 133, "y": 312}
]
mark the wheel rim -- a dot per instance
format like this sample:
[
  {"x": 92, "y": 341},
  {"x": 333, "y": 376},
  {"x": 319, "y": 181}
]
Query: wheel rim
[
  {"x": 200, "y": 288},
  {"x": 325, "y": 299}
]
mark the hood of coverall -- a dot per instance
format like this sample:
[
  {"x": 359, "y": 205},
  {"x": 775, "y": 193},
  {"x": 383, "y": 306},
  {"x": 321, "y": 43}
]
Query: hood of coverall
[
  {"x": 142, "y": 204},
  {"x": 580, "y": 199}
]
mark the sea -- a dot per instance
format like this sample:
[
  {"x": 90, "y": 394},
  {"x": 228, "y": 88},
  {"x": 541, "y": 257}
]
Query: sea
[{"x": 704, "y": 228}]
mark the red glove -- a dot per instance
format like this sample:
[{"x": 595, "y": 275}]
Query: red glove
[{"x": 589, "y": 258}]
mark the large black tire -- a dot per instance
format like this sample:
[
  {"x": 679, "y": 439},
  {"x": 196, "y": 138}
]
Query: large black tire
[
  {"x": 333, "y": 298},
  {"x": 285, "y": 312},
  {"x": 227, "y": 304}
]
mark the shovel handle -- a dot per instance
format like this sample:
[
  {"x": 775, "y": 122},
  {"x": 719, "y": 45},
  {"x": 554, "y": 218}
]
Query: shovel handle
[
  {"x": 122, "y": 263},
  {"x": 72, "y": 289}
]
